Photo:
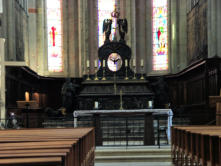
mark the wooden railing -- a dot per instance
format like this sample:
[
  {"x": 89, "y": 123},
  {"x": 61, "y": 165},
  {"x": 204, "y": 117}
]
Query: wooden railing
[
  {"x": 196, "y": 145},
  {"x": 57, "y": 147}
]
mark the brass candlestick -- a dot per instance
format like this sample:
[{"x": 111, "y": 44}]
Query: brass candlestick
[
  {"x": 126, "y": 78},
  {"x": 142, "y": 73},
  {"x": 96, "y": 78},
  {"x": 103, "y": 78},
  {"x": 134, "y": 73},
  {"x": 88, "y": 76}
]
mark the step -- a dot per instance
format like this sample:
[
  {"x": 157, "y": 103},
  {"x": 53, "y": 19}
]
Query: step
[
  {"x": 141, "y": 158},
  {"x": 135, "y": 164},
  {"x": 135, "y": 152}
]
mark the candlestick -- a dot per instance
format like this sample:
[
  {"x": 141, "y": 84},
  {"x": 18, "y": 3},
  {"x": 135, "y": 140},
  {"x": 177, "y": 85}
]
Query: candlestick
[
  {"x": 141, "y": 62},
  {"x": 103, "y": 63},
  {"x": 126, "y": 63},
  {"x": 95, "y": 63},
  {"x": 134, "y": 62},
  {"x": 88, "y": 65},
  {"x": 96, "y": 104}
]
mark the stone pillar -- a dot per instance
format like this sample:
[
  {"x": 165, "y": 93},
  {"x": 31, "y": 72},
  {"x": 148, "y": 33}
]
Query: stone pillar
[
  {"x": 83, "y": 35},
  {"x": 214, "y": 23},
  {"x": 65, "y": 26},
  {"x": 10, "y": 43},
  {"x": 140, "y": 32},
  {"x": 72, "y": 36},
  {"x": 40, "y": 43},
  {"x": 32, "y": 34},
  {"x": 148, "y": 60},
  {"x": 93, "y": 34},
  {"x": 182, "y": 45},
  {"x": 2, "y": 82},
  {"x": 173, "y": 41},
  {"x": 131, "y": 35},
  {"x": 212, "y": 28}
]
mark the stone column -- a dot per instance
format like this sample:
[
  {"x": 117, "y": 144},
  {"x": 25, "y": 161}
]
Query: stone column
[
  {"x": 218, "y": 15},
  {"x": 182, "y": 32},
  {"x": 2, "y": 82},
  {"x": 173, "y": 40},
  {"x": 140, "y": 32},
  {"x": 83, "y": 35},
  {"x": 32, "y": 36},
  {"x": 93, "y": 34},
  {"x": 131, "y": 35},
  {"x": 72, "y": 37},
  {"x": 40, "y": 43},
  {"x": 212, "y": 28},
  {"x": 65, "y": 18},
  {"x": 148, "y": 59},
  {"x": 214, "y": 23},
  {"x": 10, "y": 18}
]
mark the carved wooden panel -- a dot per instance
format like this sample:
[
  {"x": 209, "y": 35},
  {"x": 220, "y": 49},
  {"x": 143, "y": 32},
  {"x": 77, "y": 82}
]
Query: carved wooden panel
[{"x": 197, "y": 32}]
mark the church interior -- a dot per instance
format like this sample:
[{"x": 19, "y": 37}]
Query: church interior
[{"x": 132, "y": 73}]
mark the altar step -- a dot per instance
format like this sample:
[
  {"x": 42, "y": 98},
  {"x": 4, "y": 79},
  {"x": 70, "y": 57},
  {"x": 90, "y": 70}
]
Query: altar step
[{"x": 142, "y": 155}]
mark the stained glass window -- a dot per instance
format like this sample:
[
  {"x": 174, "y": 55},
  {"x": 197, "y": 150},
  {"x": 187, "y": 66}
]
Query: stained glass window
[
  {"x": 54, "y": 35},
  {"x": 160, "y": 39},
  {"x": 105, "y": 7}
]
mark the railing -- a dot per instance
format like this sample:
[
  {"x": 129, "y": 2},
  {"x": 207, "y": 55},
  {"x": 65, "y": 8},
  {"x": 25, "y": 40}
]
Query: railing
[{"x": 115, "y": 130}]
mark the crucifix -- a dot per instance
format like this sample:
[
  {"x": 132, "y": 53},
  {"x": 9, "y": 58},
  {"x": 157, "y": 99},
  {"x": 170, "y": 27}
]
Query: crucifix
[{"x": 53, "y": 33}]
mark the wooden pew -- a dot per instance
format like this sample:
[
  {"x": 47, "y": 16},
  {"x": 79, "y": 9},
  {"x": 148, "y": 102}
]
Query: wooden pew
[
  {"x": 49, "y": 161},
  {"x": 202, "y": 143},
  {"x": 83, "y": 148}
]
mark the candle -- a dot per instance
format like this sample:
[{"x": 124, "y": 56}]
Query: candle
[
  {"x": 134, "y": 62},
  {"x": 126, "y": 64},
  {"x": 95, "y": 63},
  {"x": 26, "y": 96},
  {"x": 88, "y": 65},
  {"x": 96, "y": 104},
  {"x": 141, "y": 63},
  {"x": 103, "y": 63}
]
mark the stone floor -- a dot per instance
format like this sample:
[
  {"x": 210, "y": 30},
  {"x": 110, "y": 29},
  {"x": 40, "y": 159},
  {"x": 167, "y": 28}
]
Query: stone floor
[
  {"x": 133, "y": 153},
  {"x": 135, "y": 164}
]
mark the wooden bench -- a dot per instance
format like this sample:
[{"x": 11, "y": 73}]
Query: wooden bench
[
  {"x": 201, "y": 144},
  {"x": 49, "y": 161},
  {"x": 78, "y": 144}
]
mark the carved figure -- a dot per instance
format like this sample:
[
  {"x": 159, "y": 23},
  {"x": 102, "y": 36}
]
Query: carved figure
[
  {"x": 122, "y": 25},
  {"x": 107, "y": 25},
  {"x": 68, "y": 93}
]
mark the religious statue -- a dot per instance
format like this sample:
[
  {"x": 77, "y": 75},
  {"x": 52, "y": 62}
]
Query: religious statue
[
  {"x": 122, "y": 25},
  {"x": 68, "y": 93},
  {"x": 107, "y": 25}
]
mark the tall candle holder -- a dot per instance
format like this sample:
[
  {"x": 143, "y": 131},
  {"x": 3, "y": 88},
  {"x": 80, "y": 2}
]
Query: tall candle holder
[
  {"x": 126, "y": 64},
  {"x": 96, "y": 78},
  {"x": 104, "y": 78},
  {"x": 126, "y": 78},
  {"x": 134, "y": 72},
  {"x": 88, "y": 75},
  {"x": 142, "y": 73}
]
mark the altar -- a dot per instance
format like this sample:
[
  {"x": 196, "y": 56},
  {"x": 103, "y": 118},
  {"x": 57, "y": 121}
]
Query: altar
[{"x": 128, "y": 116}]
